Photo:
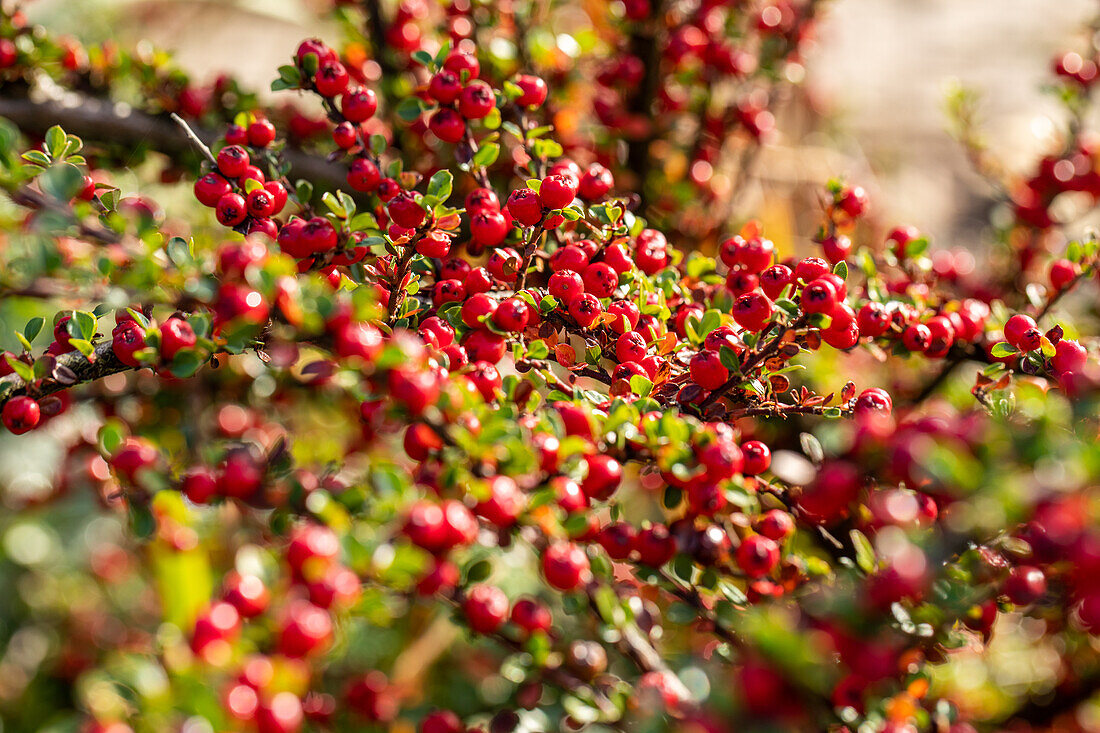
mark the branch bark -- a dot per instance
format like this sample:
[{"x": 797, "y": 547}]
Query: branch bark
[{"x": 96, "y": 119}]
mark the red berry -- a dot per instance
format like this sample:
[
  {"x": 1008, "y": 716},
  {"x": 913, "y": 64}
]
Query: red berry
[
  {"x": 488, "y": 227},
  {"x": 512, "y": 315},
  {"x": 331, "y": 79},
  {"x": 567, "y": 286},
  {"x": 363, "y": 175},
  {"x": 1062, "y": 273},
  {"x": 557, "y": 192},
  {"x": 199, "y": 485},
  {"x": 1070, "y": 356},
  {"x": 261, "y": 133},
  {"x": 752, "y": 311},
  {"x": 533, "y": 88},
  {"x": 458, "y": 61},
  {"x": 359, "y": 104},
  {"x": 1017, "y": 328},
  {"x": 306, "y": 629},
  {"x": 1025, "y": 585},
  {"x": 246, "y": 593},
  {"x": 405, "y": 211},
  {"x": 758, "y": 555},
  {"x": 9, "y": 53},
  {"x": 603, "y": 477},
  {"x": 175, "y": 335},
  {"x": 655, "y": 545},
  {"x": 21, "y": 414},
  {"x": 531, "y": 616},
  {"x": 708, "y": 371},
  {"x": 565, "y": 566},
  {"x": 757, "y": 457},
  {"x": 232, "y": 161},
  {"x": 345, "y": 135},
  {"x": 444, "y": 87},
  {"x": 525, "y": 207},
  {"x": 916, "y": 337},
  {"x": 776, "y": 524},
  {"x": 210, "y": 188},
  {"x": 447, "y": 125},
  {"x": 476, "y": 101},
  {"x": 595, "y": 183},
  {"x": 486, "y": 607},
  {"x": 584, "y": 309},
  {"x": 435, "y": 244},
  {"x": 231, "y": 209},
  {"x": 600, "y": 279}
]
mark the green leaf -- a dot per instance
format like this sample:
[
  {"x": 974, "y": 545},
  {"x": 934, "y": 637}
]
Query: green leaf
[
  {"x": 479, "y": 571},
  {"x": 142, "y": 522},
  {"x": 486, "y": 155},
  {"x": 334, "y": 205},
  {"x": 86, "y": 323},
  {"x": 110, "y": 436},
  {"x": 547, "y": 148},
  {"x": 179, "y": 252},
  {"x": 538, "y": 350},
  {"x": 56, "y": 141},
  {"x": 378, "y": 144},
  {"x": 61, "y": 181},
  {"x": 409, "y": 109},
  {"x": 492, "y": 120},
  {"x": 424, "y": 58},
  {"x": 23, "y": 369},
  {"x": 304, "y": 189},
  {"x": 865, "y": 554},
  {"x": 33, "y": 327},
  {"x": 185, "y": 363},
  {"x": 841, "y": 270},
  {"x": 439, "y": 187},
  {"x": 37, "y": 157},
  {"x": 640, "y": 385},
  {"x": 1002, "y": 349},
  {"x": 84, "y": 347},
  {"x": 1048, "y": 348}
]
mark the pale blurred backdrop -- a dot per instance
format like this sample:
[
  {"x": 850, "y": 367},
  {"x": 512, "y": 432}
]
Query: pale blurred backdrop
[{"x": 879, "y": 75}]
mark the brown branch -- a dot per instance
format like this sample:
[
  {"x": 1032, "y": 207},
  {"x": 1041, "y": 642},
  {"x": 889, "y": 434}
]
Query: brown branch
[{"x": 99, "y": 120}]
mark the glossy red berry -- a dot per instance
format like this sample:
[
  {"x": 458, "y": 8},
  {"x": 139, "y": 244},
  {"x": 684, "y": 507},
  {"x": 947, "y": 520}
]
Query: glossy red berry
[
  {"x": 533, "y": 90},
  {"x": 405, "y": 211},
  {"x": 359, "y": 105},
  {"x": 331, "y": 79},
  {"x": 175, "y": 335},
  {"x": 232, "y": 161},
  {"x": 565, "y": 566},
  {"x": 757, "y": 457},
  {"x": 476, "y": 101},
  {"x": 1025, "y": 585},
  {"x": 261, "y": 133},
  {"x": 603, "y": 476},
  {"x": 584, "y": 309},
  {"x": 231, "y": 209},
  {"x": 363, "y": 175},
  {"x": 758, "y": 555},
  {"x": 210, "y": 188},
  {"x": 525, "y": 207},
  {"x": 21, "y": 414},
  {"x": 557, "y": 192},
  {"x": 752, "y": 311},
  {"x": 448, "y": 125},
  {"x": 486, "y": 608},
  {"x": 708, "y": 371},
  {"x": 531, "y": 616}
]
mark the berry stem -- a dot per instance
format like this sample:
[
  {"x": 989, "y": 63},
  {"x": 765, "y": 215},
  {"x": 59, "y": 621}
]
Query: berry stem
[{"x": 195, "y": 140}]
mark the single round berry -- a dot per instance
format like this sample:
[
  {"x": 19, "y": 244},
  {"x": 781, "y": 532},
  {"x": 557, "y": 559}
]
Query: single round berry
[
  {"x": 21, "y": 414},
  {"x": 232, "y": 161}
]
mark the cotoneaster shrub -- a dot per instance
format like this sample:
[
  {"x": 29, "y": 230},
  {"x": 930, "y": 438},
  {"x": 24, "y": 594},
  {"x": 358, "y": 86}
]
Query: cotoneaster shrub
[{"x": 459, "y": 408}]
